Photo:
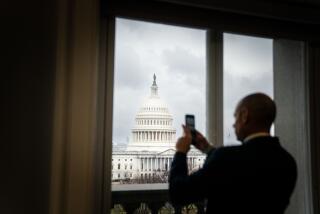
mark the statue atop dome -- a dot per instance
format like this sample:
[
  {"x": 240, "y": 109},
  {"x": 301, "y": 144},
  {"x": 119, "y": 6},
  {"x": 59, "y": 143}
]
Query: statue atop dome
[
  {"x": 154, "y": 80},
  {"x": 154, "y": 87}
]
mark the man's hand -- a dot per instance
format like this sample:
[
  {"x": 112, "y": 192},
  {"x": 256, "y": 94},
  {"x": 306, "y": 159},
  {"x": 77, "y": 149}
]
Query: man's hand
[
  {"x": 201, "y": 142},
  {"x": 183, "y": 144}
]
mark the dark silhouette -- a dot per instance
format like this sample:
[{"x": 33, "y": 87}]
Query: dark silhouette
[{"x": 256, "y": 177}]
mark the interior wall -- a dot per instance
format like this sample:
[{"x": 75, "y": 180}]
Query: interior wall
[{"x": 28, "y": 70}]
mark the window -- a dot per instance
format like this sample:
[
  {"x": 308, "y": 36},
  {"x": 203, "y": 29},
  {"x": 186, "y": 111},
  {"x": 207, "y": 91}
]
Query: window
[
  {"x": 154, "y": 66},
  {"x": 226, "y": 132},
  {"x": 248, "y": 68}
]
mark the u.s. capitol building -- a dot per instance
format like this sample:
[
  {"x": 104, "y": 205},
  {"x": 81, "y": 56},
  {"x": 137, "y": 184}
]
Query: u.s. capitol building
[{"x": 151, "y": 146}]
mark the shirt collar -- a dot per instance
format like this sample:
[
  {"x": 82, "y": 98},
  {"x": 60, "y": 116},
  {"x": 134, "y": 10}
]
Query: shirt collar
[{"x": 255, "y": 135}]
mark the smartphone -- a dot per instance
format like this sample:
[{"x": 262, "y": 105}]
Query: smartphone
[{"x": 190, "y": 123}]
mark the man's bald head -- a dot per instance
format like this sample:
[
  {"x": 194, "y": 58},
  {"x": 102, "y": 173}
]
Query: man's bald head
[
  {"x": 261, "y": 108},
  {"x": 254, "y": 113}
]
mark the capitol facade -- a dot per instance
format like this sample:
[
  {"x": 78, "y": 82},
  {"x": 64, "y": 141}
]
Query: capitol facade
[{"x": 151, "y": 147}]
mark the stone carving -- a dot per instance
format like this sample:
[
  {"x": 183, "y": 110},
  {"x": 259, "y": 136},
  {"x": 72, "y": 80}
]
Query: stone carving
[
  {"x": 189, "y": 209},
  {"x": 166, "y": 209},
  {"x": 118, "y": 209},
  {"x": 143, "y": 209}
]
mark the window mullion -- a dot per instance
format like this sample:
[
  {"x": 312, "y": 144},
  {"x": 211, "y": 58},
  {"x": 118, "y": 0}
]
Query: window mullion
[{"x": 214, "y": 87}]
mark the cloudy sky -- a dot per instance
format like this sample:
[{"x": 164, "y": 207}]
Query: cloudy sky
[{"x": 177, "y": 56}]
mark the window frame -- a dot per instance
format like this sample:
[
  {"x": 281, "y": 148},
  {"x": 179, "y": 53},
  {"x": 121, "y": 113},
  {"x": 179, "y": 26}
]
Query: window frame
[{"x": 214, "y": 68}]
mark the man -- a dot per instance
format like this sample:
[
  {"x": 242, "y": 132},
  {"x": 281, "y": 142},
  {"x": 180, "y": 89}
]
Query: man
[{"x": 255, "y": 177}]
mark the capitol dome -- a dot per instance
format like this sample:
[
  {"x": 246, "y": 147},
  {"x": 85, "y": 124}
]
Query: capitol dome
[{"x": 153, "y": 130}]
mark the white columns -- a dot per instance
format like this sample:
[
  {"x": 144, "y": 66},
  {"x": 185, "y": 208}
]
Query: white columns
[
  {"x": 154, "y": 163},
  {"x": 162, "y": 164},
  {"x": 147, "y": 164},
  {"x": 143, "y": 136},
  {"x": 144, "y": 164},
  {"x": 151, "y": 159}
]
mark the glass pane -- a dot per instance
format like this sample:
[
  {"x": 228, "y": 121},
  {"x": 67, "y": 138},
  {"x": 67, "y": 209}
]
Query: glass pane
[
  {"x": 160, "y": 76},
  {"x": 248, "y": 68}
]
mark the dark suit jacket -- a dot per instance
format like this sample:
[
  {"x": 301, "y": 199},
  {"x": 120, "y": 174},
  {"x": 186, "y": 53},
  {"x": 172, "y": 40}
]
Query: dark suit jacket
[{"x": 255, "y": 177}]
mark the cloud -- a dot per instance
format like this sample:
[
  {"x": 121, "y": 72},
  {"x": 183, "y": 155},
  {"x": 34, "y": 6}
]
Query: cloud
[
  {"x": 181, "y": 61},
  {"x": 129, "y": 70},
  {"x": 247, "y": 56}
]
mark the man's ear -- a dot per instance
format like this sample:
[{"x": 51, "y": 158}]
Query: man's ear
[{"x": 244, "y": 115}]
